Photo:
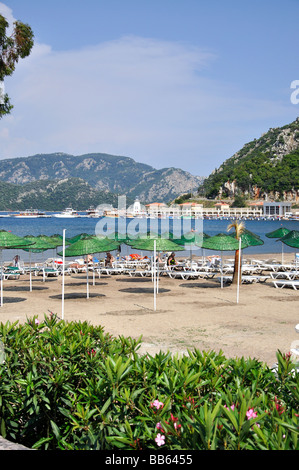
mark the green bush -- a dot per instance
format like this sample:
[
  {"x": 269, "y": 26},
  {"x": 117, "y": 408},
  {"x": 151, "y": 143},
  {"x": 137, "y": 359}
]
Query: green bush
[{"x": 72, "y": 386}]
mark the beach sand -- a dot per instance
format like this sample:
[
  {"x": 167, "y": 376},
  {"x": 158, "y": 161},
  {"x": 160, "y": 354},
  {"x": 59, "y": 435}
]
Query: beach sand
[{"x": 190, "y": 313}]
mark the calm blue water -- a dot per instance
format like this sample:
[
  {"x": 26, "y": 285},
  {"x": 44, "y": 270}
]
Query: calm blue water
[{"x": 50, "y": 226}]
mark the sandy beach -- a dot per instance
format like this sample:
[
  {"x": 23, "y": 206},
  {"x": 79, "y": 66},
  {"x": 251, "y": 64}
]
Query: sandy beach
[{"x": 190, "y": 314}]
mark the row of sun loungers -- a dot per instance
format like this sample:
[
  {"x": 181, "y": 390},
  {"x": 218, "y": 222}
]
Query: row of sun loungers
[{"x": 281, "y": 275}]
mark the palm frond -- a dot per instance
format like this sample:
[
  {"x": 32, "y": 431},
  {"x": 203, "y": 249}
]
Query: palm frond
[{"x": 239, "y": 228}]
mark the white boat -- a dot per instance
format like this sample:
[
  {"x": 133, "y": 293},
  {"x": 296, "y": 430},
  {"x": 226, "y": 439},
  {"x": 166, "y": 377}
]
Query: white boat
[
  {"x": 92, "y": 212},
  {"x": 31, "y": 214},
  {"x": 67, "y": 213}
]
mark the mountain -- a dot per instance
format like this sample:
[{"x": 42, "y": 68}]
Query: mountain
[
  {"x": 267, "y": 168},
  {"x": 103, "y": 172},
  {"x": 53, "y": 195}
]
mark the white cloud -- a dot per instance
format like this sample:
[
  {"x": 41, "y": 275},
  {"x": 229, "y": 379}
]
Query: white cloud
[{"x": 8, "y": 15}]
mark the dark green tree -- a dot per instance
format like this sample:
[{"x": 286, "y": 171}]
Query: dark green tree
[{"x": 12, "y": 48}]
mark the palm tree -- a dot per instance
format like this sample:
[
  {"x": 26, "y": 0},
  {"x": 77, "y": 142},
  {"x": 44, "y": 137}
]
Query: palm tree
[{"x": 239, "y": 229}]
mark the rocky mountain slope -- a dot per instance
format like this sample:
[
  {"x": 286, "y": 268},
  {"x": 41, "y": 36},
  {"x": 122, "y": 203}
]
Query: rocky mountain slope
[
  {"x": 103, "y": 172},
  {"x": 267, "y": 168}
]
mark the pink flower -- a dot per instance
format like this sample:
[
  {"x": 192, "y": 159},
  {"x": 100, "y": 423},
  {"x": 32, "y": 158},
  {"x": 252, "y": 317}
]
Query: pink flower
[
  {"x": 251, "y": 413},
  {"x": 157, "y": 404},
  {"x": 160, "y": 440},
  {"x": 232, "y": 407},
  {"x": 36, "y": 321},
  {"x": 158, "y": 426}
]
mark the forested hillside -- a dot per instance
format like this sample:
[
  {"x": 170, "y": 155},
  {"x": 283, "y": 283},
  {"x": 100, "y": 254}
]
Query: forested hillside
[{"x": 268, "y": 165}]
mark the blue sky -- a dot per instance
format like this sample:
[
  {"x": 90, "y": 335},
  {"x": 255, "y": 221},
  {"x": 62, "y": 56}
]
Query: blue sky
[{"x": 166, "y": 82}]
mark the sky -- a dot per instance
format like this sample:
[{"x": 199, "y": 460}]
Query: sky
[{"x": 169, "y": 83}]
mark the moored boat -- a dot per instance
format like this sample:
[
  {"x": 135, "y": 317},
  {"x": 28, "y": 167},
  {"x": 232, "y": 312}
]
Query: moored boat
[
  {"x": 67, "y": 213},
  {"x": 92, "y": 212},
  {"x": 31, "y": 214}
]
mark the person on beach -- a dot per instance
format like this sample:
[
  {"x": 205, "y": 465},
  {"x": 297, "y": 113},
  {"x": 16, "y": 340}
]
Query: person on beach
[
  {"x": 16, "y": 261},
  {"x": 171, "y": 261},
  {"x": 109, "y": 260}
]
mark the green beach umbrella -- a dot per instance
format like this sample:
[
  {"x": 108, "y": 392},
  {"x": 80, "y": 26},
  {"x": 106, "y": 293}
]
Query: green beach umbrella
[
  {"x": 279, "y": 233},
  {"x": 222, "y": 242},
  {"x": 90, "y": 245},
  {"x": 41, "y": 244},
  {"x": 249, "y": 238},
  {"x": 9, "y": 241},
  {"x": 156, "y": 244},
  {"x": 87, "y": 246},
  {"x": 162, "y": 244},
  {"x": 78, "y": 237},
  {"x": 192, "y": 239},
  {"x": 141, "y": 237},
  {"x": 58, "y": 239},
  {"x": 291, "y": 239}
]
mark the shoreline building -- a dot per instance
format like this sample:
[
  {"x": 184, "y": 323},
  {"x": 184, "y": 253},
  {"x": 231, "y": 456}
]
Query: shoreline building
[{"x": 276, "y": 209}]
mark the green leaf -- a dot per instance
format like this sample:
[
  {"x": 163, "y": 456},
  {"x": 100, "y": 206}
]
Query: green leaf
[{"x": 55, "y": 429}]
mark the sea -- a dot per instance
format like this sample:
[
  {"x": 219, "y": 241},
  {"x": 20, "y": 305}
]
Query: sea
[{"x": 108, "y": 226}]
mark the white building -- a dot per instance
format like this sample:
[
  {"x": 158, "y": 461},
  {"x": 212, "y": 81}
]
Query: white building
[{"x": 276, "y": 209}]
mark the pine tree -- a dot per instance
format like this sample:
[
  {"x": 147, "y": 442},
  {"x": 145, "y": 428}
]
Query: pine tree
[{"x": 12, "y": 48}]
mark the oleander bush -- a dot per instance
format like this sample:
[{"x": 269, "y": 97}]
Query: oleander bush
[{"x": 71, "y": 386}]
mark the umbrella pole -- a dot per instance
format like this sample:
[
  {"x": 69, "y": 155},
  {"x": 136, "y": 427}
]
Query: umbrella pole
[
  {"x": 239, "y": 271},
  {"x": 152, "y": 268},
  {"x": 63, "y": 262},
  {"x": 30, "y": 273},
  {"x": 87, "y": 280},
  {"x": 221, "y": 269},
  {"x": 157, "y": 265}
]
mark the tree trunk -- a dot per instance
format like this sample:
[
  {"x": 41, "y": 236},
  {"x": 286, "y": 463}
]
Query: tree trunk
[{"x": 236, "y": 268}]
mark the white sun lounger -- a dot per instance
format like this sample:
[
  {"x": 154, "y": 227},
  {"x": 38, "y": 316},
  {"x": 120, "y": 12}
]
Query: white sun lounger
[
  {"x": 286, "y": 283},
  {"x": 245, "y": 279},
  {"x": 11, "y": 275},
  {"x": 290, "y": 275},
  {"x": 139, "y": 272},
  {"x": 107, "y": 270}
]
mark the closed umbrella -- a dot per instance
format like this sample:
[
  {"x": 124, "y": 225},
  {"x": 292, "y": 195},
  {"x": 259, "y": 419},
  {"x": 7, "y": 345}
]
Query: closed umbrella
[
  {"x": 87, "y": 246},
  {"x": 8, "y": 241},
  {"x": 279, "y": 233}
]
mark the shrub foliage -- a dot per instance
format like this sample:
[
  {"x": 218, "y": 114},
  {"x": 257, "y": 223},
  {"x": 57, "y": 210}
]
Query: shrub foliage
[{"x": 73, "y": 386}]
